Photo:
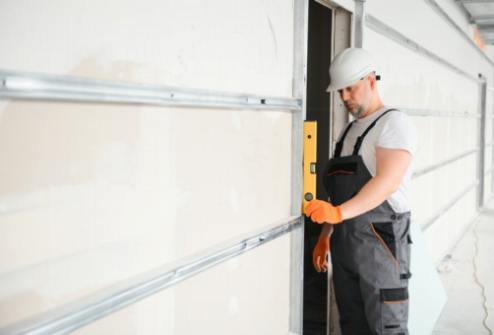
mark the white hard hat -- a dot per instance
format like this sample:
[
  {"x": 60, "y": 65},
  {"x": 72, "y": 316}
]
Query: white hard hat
[{"x": 348, "y": 67}]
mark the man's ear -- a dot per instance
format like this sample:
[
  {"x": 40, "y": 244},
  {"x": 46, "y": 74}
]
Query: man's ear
[{"x": 372, "y": 81}]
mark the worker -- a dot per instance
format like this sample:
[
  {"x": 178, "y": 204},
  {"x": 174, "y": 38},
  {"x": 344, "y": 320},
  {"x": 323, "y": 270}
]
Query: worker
[{"x": 367, "y": 215}]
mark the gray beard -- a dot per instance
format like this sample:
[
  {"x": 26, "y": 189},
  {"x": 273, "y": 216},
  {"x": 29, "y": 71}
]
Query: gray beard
[{"x": 357, "y": 113}]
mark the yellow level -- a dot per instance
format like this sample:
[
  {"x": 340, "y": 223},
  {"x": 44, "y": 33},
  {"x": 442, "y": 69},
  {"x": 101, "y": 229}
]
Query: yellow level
[{"x": 310, "y": 160}]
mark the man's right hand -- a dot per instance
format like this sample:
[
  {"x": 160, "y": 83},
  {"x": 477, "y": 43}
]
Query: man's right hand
[
  {"x": 321, "y": 211},
  {"x": 320, "y": 254}
]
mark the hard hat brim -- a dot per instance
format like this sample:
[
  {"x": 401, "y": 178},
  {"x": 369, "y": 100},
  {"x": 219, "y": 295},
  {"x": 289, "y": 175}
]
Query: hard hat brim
[{"x": 334, "y": 87}]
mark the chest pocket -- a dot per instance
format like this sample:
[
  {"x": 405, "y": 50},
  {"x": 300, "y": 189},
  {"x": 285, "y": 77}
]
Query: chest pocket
[{"x": 347, "y": 168}]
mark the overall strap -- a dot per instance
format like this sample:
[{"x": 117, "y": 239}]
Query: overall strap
[
  {"x": 360, "y": 139},
  {"x": 339, "y": 145}
]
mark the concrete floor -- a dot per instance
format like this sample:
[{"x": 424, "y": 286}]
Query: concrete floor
[{"x": 468, "y": 277}]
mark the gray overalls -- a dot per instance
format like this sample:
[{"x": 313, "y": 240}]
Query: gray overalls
[{"x": 370, "y": 253}]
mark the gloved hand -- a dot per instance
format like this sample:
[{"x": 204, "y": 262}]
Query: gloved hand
[
  {"x": 323, "y": 212},
  {"x": 320, "y": 254}
]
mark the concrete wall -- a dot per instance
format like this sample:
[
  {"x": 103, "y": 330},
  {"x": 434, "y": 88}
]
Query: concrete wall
[
  {"x": 417, "y": 83},
  {"x": 93, "y": 194}
]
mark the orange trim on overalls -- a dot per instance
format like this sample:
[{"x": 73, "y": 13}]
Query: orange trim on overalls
[
  {"x": 395, "y": 302},
  {"x": 341, "y": 171},
  {"x": 385, "y": 245}
]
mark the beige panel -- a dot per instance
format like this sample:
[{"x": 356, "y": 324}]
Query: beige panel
[
  {"x": 246, "y": 295},
  {"x": 92, "y": 194},
  {"x": 238, "y": 46}
]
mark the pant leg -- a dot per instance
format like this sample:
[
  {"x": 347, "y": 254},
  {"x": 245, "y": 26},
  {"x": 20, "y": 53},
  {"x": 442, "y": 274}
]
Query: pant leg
[
  {"x": 386, "y": 308},
  {"x": 353, "y": 320},
  {"x": 384, "y": 276}
]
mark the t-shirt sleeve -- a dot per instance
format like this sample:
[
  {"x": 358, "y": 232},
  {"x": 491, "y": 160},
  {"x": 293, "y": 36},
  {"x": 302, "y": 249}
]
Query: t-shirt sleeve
[{"x": 398, "y": 132}]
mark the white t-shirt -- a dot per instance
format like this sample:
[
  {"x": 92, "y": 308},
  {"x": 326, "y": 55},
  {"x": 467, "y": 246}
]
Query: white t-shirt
[{"x": 393, "y": 131}]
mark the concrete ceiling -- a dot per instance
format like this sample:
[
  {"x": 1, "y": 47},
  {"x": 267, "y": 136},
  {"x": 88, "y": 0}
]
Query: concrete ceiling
[{"x": 481, "y": 12}]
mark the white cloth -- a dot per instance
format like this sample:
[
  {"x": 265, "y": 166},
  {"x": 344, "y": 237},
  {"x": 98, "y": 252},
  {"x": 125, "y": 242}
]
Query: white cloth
[{"x": 393, "y": 131}]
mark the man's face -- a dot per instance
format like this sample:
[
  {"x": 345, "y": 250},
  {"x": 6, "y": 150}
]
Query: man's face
[{"x": 357, "y": 97}]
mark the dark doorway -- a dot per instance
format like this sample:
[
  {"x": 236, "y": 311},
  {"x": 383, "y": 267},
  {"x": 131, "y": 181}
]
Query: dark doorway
[{"x": 318, "y": 104}]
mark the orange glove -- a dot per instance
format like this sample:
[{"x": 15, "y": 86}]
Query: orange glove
[
  {"x": 323, "y": 212},
  {"x": 320, "y": 254}
]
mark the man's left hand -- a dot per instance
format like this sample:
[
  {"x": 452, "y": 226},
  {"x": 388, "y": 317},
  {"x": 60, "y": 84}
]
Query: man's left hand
[{"x": 323, "y": 212}]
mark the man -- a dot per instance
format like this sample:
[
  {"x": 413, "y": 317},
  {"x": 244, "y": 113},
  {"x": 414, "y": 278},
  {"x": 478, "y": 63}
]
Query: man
[{"x": 368, "y": 212}]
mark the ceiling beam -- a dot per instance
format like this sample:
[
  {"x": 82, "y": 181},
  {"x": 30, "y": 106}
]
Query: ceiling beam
[
  {"x": 484, "y": 17},
  {"x": 474, "y": 1},
  {"x": 486, "y": 28}
]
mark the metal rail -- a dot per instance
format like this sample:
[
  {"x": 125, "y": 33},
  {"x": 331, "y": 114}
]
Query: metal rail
[
  {"x": 438, "y": 113},
  {"x": 359, "y": 23},
  {"x": 385, "y": 30},
  {"x": 436, "y": 166},
  {"x": 429, "y": 222},
  {"x": 79, "y": 313},
  {"x": 18, "y": 85},
  {"x": 299, "y": 89},
  {"x": 482, "y": 139}
]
